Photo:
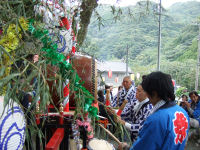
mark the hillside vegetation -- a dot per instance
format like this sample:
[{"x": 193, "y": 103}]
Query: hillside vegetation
[{"x": 137, "y": 27}]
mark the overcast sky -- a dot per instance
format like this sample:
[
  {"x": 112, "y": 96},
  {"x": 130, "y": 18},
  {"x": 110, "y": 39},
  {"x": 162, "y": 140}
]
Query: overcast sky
[{"x": 165, "y": 3}]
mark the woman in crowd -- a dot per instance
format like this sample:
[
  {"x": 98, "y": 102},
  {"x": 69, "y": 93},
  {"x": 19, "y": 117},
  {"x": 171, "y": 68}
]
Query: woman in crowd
[{"x": 139, "y": 113}]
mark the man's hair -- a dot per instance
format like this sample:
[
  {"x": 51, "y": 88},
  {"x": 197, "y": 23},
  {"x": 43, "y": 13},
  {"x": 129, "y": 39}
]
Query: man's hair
[
  {"x": 160, "y": 83},
  {"x": 193, "y": 92},
  {"x": 100, "y": 93},
  {"x": 107, "y": 87},
  {"x": 128, "y": 77}
]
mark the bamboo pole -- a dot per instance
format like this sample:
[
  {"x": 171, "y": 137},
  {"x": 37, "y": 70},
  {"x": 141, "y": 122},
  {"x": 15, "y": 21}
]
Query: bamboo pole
[{"x": 111, "y": 135}]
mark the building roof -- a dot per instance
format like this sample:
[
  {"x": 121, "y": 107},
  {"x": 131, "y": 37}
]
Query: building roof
[{"x": 114, "y": 66}]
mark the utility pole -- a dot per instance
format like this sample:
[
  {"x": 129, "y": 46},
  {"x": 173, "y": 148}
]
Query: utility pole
[
  {"x": 127, "y": 60},
  {"x": 198, "y": 62},
  {"x": 159, "y": 35}
]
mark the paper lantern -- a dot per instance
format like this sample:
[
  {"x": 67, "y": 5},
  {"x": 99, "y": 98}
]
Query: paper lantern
[
  {"x": 116, "y": 79},
  {"x": 63, "y": 41},
  {"x": 12, "y": 127},
  {"x": 138, "y": 75},
  {"x": 53, "y": 16},
  {"x": 174, "y": 82},
  {"x": 132, "y": 77},
  {"x": 109, "y": 74}
]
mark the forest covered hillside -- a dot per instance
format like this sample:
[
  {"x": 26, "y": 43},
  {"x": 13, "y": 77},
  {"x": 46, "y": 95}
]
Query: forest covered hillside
[{"x": 137, "y": 28}]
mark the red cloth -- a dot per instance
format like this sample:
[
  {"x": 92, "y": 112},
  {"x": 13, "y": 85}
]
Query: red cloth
[
  {"x": 64, "y": 22},
  {"x": 119, "y": 112},
  {"x": 66, "y": 109},
  {"x": 96, "y": 105},
  {"x": 73, "y": 49},
  {"x": 107, "y": 103}
]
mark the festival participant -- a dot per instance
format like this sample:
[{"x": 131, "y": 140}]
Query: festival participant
[
  {"x": 127, "y": 93},
  {"x": 194, "y": 109},
  {"x": 132, "y": 101},
  {"x": 111, "y": 92},
  {"x": 117, "y": 96},
  {"x": 102, "y": 111},
  {"x": 167, "y": 126},
  {"x": 182, "y": 104},
  {"x": 101, "y": 96},
  {"x": 138, "y": 114}
]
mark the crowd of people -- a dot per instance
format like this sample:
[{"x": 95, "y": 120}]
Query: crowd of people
[{"x": 150, "y": 112}]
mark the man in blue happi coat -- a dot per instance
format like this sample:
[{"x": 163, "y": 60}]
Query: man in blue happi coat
[
  {"x": 194, "y": 109},
  {"x": 167, "y": 126}
]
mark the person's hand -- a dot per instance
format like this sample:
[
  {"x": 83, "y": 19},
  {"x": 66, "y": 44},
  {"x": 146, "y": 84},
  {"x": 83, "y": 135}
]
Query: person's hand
[
  {"x": 122, "y": 146},
  {"x": 119, "y": 120},
  {"x": 123, "y": 104},
  {"x": 187, "y": 104},
  {"x": 112, "y": 111},
  {"x": 107, "y": 91}
]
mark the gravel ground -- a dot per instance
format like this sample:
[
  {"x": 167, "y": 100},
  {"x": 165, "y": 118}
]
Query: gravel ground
[
  {"x": 194, "y": 140},
  {"x": 192, "y": 145}
]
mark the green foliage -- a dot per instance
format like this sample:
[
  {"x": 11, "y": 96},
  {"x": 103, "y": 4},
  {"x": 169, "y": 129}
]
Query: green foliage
[
  {"x": 180, "y": 91},
  {"x": 185, "y": 12},
  {"x": 182, "y": 72},
  {"x": 184, "y": 46},
  {"x": 138, "y": 28}
]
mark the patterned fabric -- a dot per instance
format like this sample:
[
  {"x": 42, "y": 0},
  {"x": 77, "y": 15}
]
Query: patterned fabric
[
  {"x": 196, "y": 110},
  {"x": 110, "y": 97},
  {"x": 124, "y": 94},
  {"x": 167, "y": 129},
  {"x": 128, "y": 110},
  {"x": 138, "y": 116},
  {"x": 158, "y": 105}
]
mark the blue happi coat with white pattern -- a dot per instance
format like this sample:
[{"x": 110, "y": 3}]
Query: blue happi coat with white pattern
[{"x": 165, "y": 129}]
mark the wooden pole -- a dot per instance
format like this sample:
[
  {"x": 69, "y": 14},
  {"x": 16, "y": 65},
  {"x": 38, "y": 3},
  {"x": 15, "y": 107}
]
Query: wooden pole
[{"x": 111, "y": 135}]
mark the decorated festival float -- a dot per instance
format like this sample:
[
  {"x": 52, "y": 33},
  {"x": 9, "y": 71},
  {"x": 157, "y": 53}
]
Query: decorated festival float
[{"x": 45, "y": 96}]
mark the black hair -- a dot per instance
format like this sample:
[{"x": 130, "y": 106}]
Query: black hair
[
  {"x": 184, "y": 96},
  {"x": 119, "y": 87},
  {"x": 193, "y": 92},
  {"x": 100, "y": 93},
  {"x": 160, "y": 83},
  {"x": 144, "y": 77},
  {"x": 107, "y": 87},
  {"x": 100, "y": 96}
]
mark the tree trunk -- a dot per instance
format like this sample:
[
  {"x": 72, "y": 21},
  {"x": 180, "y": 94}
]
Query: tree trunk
[{"x": 87, "y": 7}]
